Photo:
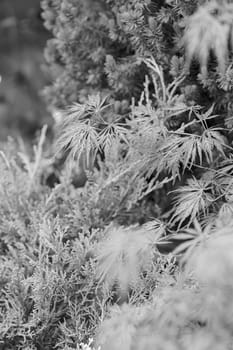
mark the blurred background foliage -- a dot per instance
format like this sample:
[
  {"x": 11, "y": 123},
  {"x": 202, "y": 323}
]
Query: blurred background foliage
[{"x": 22, "y": 69}]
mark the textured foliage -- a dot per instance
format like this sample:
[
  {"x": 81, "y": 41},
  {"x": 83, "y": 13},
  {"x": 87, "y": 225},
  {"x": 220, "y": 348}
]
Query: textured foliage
[
  {"x": 97, "y": 44},
  {"x": 147, "y": 118},
  {"x": 169, "y": 152},
  {"x": 186, "y": 312}
]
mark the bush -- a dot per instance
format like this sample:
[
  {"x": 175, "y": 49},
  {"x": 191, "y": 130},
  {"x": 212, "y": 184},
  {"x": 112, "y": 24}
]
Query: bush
[
  {"x": 98, "y": 45},
  {"x": 149, "y": 88},
  {"x": 178, "y": 126}
]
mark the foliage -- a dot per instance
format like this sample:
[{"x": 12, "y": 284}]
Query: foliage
[
  {"x": 52, "y": 290},
  {"x": 46, "y": 279},
  {"x": 96, "y": 45},
  {"x": 192, "y": 311},
  {"x": 149, "y": 124}
]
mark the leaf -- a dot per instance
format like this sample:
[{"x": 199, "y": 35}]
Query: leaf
[
  {"x": 124, "y": 252},
  {"x": 112, "y": 132},
  {"x": 193, "y": 238},
  {"x": 192, "y": 200}
]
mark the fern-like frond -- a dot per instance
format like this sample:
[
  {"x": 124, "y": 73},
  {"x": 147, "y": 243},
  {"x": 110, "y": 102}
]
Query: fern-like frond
[
  {"x": 179, "y": 151},
  {"x": 212, "y": 139},
  {"x": 192, "y": 200},
  {"x": 112, "y": 132},
  {"x": 192, "y": 238},
  {"x": 79, "y": 138},
  {"x": 86, "y": 129},
  {"x": 79, "y": 128}
]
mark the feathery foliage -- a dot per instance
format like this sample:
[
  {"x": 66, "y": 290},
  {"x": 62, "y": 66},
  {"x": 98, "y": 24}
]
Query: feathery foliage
[{"x": 140, "y": 256}]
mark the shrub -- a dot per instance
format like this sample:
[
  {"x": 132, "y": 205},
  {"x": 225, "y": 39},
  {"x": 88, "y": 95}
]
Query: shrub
[
  {"x": 150, "y": 117},
  {"x": 49, "y": 295},
  {"x": 178, "y": 126},
  {"x": 171, "y": 151},
  {"x": 190, "y": 311}
]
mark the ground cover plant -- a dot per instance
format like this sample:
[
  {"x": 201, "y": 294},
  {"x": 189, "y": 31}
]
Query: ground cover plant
[{"x": 130, "y": 246}]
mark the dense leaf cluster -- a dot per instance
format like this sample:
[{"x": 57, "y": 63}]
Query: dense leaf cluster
[
  {"x": 146, "y": 87},
  {"x": 96, "y": 45}
]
